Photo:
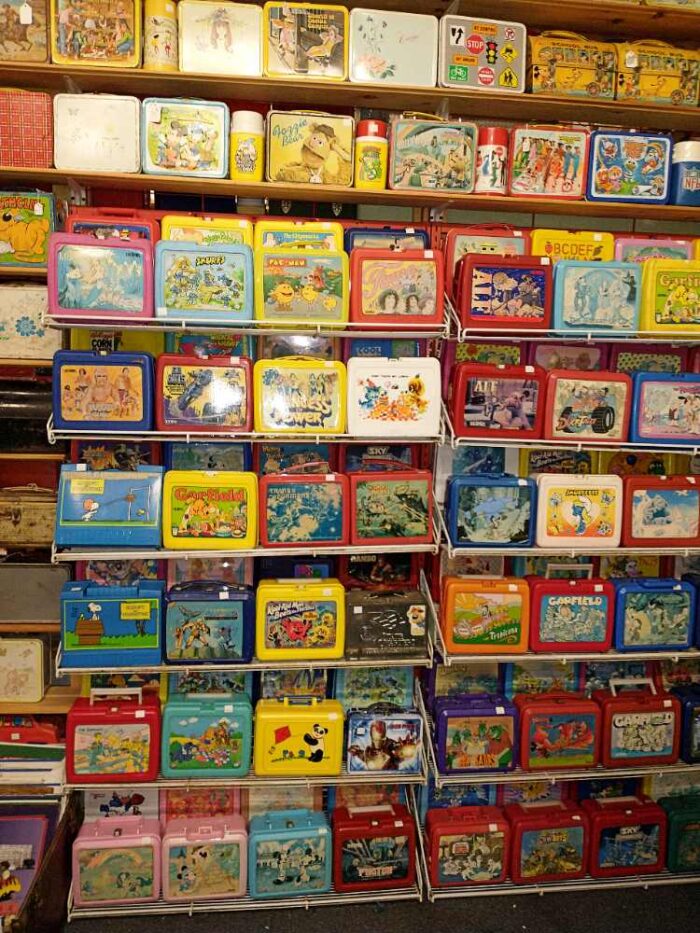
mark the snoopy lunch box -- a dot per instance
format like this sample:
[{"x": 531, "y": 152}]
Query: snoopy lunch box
[
  {"x": 503, "y": 292},
  {"x": 296, "y": 286},
  {"x": 204, "y": 858},
  {"x": 204, "y": 283},
  {"x": 493, "y": 510},
  {"x": 299, "y": 396},
  {"x": 547, "y": 162},
  {"x": 213, "y": 395},
  {"x": 96, "y": 132},
  {"x": 215, "y": 511},
  {"x": 306, "y": 234},
  {"x": 598, "y": 296},
  {"x": 391, "y": 508},
  {"x": 629, "y": 167},
  {"x": 571, "y": 615},
  {"x": 107, "y": 36},
  {"x": 305, "y": 39},
  {"x": 488, "y": 239},
  {"x": 591, "y": 245},
  {"x": 389, "y": 47},
  {"x": 654, "y": 614},
  {"x": 670, "y": 296},
  {"x": 208, "y": 622},
  {"x": 299, "y": 620},
  {"x": 205, "y": 230},
  {"x": 309, "y": 509},
  {"x": 432, "y": 155},
  {"x": 587, "y": 406},
  {"x": 487, "y": 401},
  {"x": 664, "y": 409},
  {"x": 206, "y": 736},
  {"x": 485, "y": 616},
  {"x": 181, "y": 136},
  {"x": 393, "y": 397},
  {"x": 384, "y": 739},
  {"x": 579, "y": 512},
  {"x": 289, "y": 853},
  {"x": 300, "y": 736},
  {"x": 661, "y": 511},
  {"x": 111, "y": 507},
  {"x": 220, "y": 38},
  {"x": 482, "y": 54},
  {"x": 309, "y": 148},
  {"x": 400, "y": 287}
]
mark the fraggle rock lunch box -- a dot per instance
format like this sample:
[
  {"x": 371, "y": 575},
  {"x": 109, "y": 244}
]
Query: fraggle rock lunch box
[
  {"x": 389, "y": 47},
  {"x": 432, "y": 154},
  {"x": 214, "y": 511},
  {"x": 481, "y": 54},
  {"x": 629, "y": 167},
  {"x": 184, "y": 137}
]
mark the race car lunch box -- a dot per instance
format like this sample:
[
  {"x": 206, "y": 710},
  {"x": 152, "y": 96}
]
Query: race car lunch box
[
  {"x": 475, "y": 733},
  {"x": 654, "y": 614},
  {"x": 504, "y": 292},
  {"x": 639, "y": 727},
  {"x": 206, "y": 736},
  {"x": 661, "y": 511},
  {"x": 289, "y": 854},
  {"x": 664, "y": 408},
  {"x": 298, "y": 736},
  {"x": 214, "y": 511},
  {"x": 396, "y": 287},
  {"x": 209, "y": 622},
  {"x": 467, "y": 845},
  {"x": 373, "y": 847},
  {"x": 579, "y": 511},
  {"x": 587, "y": 406},
  {"x": 384, "y": 739},
  {"x": 212, "y": 395},
  {"x": 304, "y": 509},
  {"x": 670, "y": 296},
  {"x": 391, "y": 508},
  {"x": 599, "y": 296},
  {"x": 558, "y": 730},
  {"x": 386, "y": 624},
  {"x": 389, "y": 47},
  {"x": 485, "y": 616},
  {"x": 629, "y": 167},
  {"x": 486, "y": 401},
  {"x": 299, "y": 396},
  {"x": 205, "y": 858},
  {"x": 571, "y": 615},
  {"x": 302, "y": 620},
  {"x": 387, "y": 397},
  {"x": 494, "y": 510}
]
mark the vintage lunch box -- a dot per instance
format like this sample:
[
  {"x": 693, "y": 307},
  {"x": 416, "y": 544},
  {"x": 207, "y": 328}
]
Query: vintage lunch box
[
  {"x": 97, "y": 132},
  {"x": 558, "y": 730},
  {"x": 378, "y": 458},
  {"x": 588, "y": 357},
  {"x": 467, "y": 846},
  {"x": 216, "y": 511},
  {"x": 116, "y": 860},
  {"x": 26, "y": 41},
  {"x": 31, "y": 592},
  {"x": 592, "y": 295},
  {"x": 503, "y": 292},
  {"x": 689, "y": 696},
  {"x": 377, "y": 571},
  {"x": 205, "y": 859},
  {"x": 306, "y": 458},
  {"x": 649, "y": 71},
  {"x": 485, "y": 616},
  {"x": 373, "y": 847},
  {"x": 549, "y": 841},
  {"x": 195, "y": 680},
  {"x": 305, "y": 39},
  {"x": 551, "y": 460},
  {"x": 181, "y": 136},
  {"x": 664, "y": 408},
  {"x": 458, "y": 680},
  {"x": 272, "y": 346},
  {"x": 111, "y": 507},
  {"x": 299, "y": 620},
  {"x": 661, "y": 511},
  {"x": 683, "y": 816},
  {"x": 23, "y": 334},
  {"x": 490, "y": 400},
  {"x": 298, "y": 736},
  {"x": 113, "y": 737},
  {"x": 641, "y": 248},
  {"x": 571, "y": 615},
  {"x": 289, "y": 854},
  {"x": 629, "y": 167},
  {"x": 309, "y": 509},
  {"x": 306, "y": 147},
  {"x": 488, "y": 239},
  {"x": 109, "y": 35},
  {"x": 375, "y": 234},
  {"x": 102, "y": 391},
  {"x": 587, "y": 406},
  {"x": 432, "y": 155},
  {"x": 306, "y": 234},
  {"x": 108, "y": 280},
  {"x": 591, "y": 245},
  {"x": 571, "y": 65},
  {"x": 387, "y": 397},
  {"x": 27, "y": 221},
  {"x": 300, "y": 396},
  {"x": 212, "y": 395},
  {"x": 110, "y": 223},
  {"x": 206, "y": 736},
  {"x": 547, "y": 162},
  {"x": 399, "y": 287},
  {"x": 207, "y": 622},
  {"x": 389, "y": 47},
  {"x": 197, "y": 803},
  {"x": 111, "y": 626},
  {"x": 363, "y": 687},
  {"x": 391, "y": 508},
  {"x": 383, "y": 738},
  {"x": 220, "y": 38},
  {"x": 205, "y": 568},
  {"x": 214, "y": 456},
  {"x": 628, "y": 836},
  {"x": 204, "y": 283},
  {"x": 654, "y": 614},
  {"x": 497, "y": 510},
  {"x": 294, "y": 285},
  {"x": 33, "y": 110},
  {"x": 207, "y": 230},
  {"x": 641, "y": 463},
  {"x": 187, "y": 343},
  {"x": 579, "y": 511},
  {"x": 633, "y": 357},
  {"x": 670, "y": 296},
  {"x": 25, "y": 669},
  {"x": 475, "y": 733},
  {"x": 639, "y": 727},
  {"x": 310, "y": 682},
  {"x": 481, "y": 54},
  {"x": 386, "y": 625}
]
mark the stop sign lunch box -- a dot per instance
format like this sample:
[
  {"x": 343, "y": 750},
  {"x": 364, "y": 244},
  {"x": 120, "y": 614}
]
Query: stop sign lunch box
[{"x": 482, "y": 54}]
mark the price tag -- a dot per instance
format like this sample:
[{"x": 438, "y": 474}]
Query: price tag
[{"x": 26, "y": 15}]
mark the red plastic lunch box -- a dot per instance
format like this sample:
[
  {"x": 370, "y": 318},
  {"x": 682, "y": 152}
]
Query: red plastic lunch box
[
  {"x": 488, "y": 401},
  {"x": 549, "y": 841},
  {"x": 467, "y": 846},
  {"x": 571, "y": 615},
  {"x": 373, "y": 848}
]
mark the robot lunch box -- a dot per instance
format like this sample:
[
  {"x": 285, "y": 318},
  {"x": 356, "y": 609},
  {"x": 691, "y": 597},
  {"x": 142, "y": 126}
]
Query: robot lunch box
[
  {"x": 396, "y": 287},
  {"x": 599, "y": 296},
  {"x": 212, "y": 395},
  {"x": 309, "y": 509},
  {"x": 661, "y": 511},
  {"x": 388, "y": 397},
  {"x": 298, "y": 736},
  {"x": 504, "y": 292},
  {"x": 206, "y": 736},
  {"x": 302, "y": 620},
  {"x": 300, "y": 396},
  {"x": 587, "y": 406},
  {"x": 209, "y": 622},
  {"x": 214, "y": 511},
  {"x": 382, "y": 739}
]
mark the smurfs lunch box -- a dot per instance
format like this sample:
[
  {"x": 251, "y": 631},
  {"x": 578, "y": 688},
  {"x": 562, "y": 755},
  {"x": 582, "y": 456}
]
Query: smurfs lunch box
[
  {"x": 581, "y": 512},
  {"x": 599, "y": 296},
  {"x": 209, "y": 622},
  {"x": 664, "y": 409},
  {"x": 184, "y": 137},
  {"x": 289, "y": 854},
  {"x": 205, "y": 736},
  {"x": 491, "y": 511},
  {"x": 629, "y": 167},
  {"x": 212, "y": 395},
  {"x": 204, "y": 283},
  {"x": 298, "y": 736},
  {"x": 654, "y": 614}
]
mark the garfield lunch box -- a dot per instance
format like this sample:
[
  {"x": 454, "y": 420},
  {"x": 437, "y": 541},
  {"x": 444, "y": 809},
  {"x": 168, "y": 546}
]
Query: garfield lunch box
[
  {"x": 299, "y": 620},
  {"x": 215, "y": 511},
  {"x": 670, "y": 296}
]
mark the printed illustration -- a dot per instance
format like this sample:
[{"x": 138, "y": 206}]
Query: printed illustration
[
  {"x": 292, "y": 623},
  {"x": 508, "y": 294},
  {"x": 22, "y": 41},
  {"x": 584, "y": 513},
  {"x": 670, "y": 76},
  {"x": 120, "y": 572},
  {"x": 116, "y": 874},
  {"x": 542, "y": 677},
  {"x": 102, "y": 31},
  {"x": 207, "y": 869},
  {"x": 208, "y": 457},
  {"x": 386, "y": 508},
  {"x": 290, "y": 865},
  {"x": 197, "y": 395},
  {"x": 380, "y": 858},
  {"x": 204, "y": 629},
  {"x": 558, "y": 461},
  {"x": 598, "y": 674},
  {"x": 121, "y": 802},
  {"x": 392, "y": 398},
  {"x": 500, "y": 404},
  {"x": 276, "y": 346},
  {"x": 276, "y": 685},
  {"x": 548, "y": 162},
  {"x": 113, "y": 455},
  {"x": 531, "y": 792},
  {"x": 98, "y": 278},
  {"x": 649, "y": 249},
  {"x": 360, "y": 688},
  {"x": 111, "y": 498},
  {"x": 19, "y": 672},
  {"x": 564, "y": 740},
  {"x": 398, "y": 287},
  {"x": 627, "y": 846},
  {"x": 487, "y": 618},
  {"x": 379, "y": 570},
  {"x": 665, "y": 513},
  {"x": 559, "y": 356},
  {"x": 574, "y": 618},
  {"x": 111, "y": 623},
  {"x": 385, "y": 743},
  {"x": 688, "y": 852},
  {"x": 629, "y": 166},
  {"x": 657, "y": 618},
  {"x": 206, "y": 743},
  {"x": 101, "y": 393},
  {"x": 600, "y": 297},
  {"x": 681, "y": 673},
  {"x": 225, "y": 570},
  {"x": 460, "y": 795},
  {"x": 294, "y": 458},
  {"x": 643, "y": 565},
  {"x": 306, "y": 41},
  {"x": 302, "y": 150},
  {"x": 634, "y": 361},
  {"x": 388, "y": 626},
  {"x": 300, "y": 399},
  {"x": 669, "y": 409},
  {"x": 209, "y": 682},
  {"x": 493, "y": 245},
  {"x": 209, "y": 512},
  {"x": 148, "y": 683},
  {"x": 494, "y": 514},
  {"x": 642, "y": 735},
  {"x": 304, "y": 512},
  {"x": 185, "y": 138},
  {"x": 677, "y": 297},
  {"x": 220, "y": 39},
  {"x": 302, "y": 287},
  {"x": 371, "y": 458},
  {"x": 205, "y": 235},
  {"x": 494, "y": 354},
  {"x": 592, "y": 409},
  {"x": 556, "y": 851},
  {"x": 208, "y": 282},
  {"x": 436, "y": 156},
  {"x": 573, "y": 66},
  {"x": 112, "y": 749},
  {"x": 267, "y": 798},
  {"x": 468, "y": 460},
  {"x": 25, "y": 224},
  {"x": 457, "y": 679},
  {"x": 479, "y": 742},
  {"x": 299, "y": 743},
  {"x": 310, "y": 239},
  {"x": 473, "y": 858}
]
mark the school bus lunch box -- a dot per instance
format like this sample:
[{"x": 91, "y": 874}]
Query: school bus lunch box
[
  {"x": 600, "y": 297},
  {"x": 298, "y": 736},
  {"x": 400, "y": 287},
  {"x": 488, "y": 401},
  {"x": 579, "y": 511},
  {"x": 305, "y": 147},
  {"x": 207, "y": 230},
  {"x": 306, "y": 234},
  {"x": 591, "y": 245},
  {"x": 215, "y": 511},
  {"x": 206, "y": 736},
  {"x": 661, "y": 511},
  {"x": 398, "y": 397},
  {"x": 299, "y": 396},
  {"x": 305, "y": 39},
  {"x": 482, "y": 54},
  {"x": 432, "y": 155},
  {"x": 212, "y": 395},
  {"x": 496, "y": 510},
  {"x": 485, "y": 616},
  {"x": 570, "y": 65},
  {"x": 587, "y": 406},
  {"x": 391, "y": 508},
  {"x": 548, "y": 162},
  {"x": 204, "y": 283},
  {"x": 304, "y": 509},
  {"x": 571, "y": 615},
  {"x": 653, "y": 72},
  {"x": 654, "y": 614},
  {"x": 299, "y": 620},
  {"x": 298, "y": 286},
  {"x": 670, "y": 296},
  {"x": 504, "y": 292}
]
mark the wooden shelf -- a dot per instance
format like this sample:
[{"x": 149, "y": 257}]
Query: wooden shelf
[
  {"x": 22, "y": 273},
  {"x": 14, "y": 177},
  {"x": 308, "y": 92},
  {"x": 24, "y": 628},
  {"x": 56, "y": 700},
  {"x": 19, "y": 455},
  {"x": 37, "y": 364}
]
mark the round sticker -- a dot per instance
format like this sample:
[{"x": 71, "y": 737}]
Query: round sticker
[
  {"x": 475, "y": 44},
  {"x": 509, "y": 33},
  {"x": 486, "y": 76}
]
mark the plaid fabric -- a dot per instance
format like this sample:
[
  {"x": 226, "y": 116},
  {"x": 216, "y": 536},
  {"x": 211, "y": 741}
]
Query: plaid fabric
[{"x": 26, "y": 128}]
